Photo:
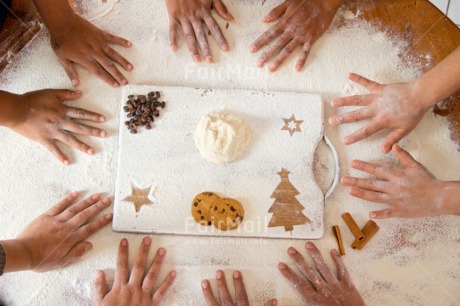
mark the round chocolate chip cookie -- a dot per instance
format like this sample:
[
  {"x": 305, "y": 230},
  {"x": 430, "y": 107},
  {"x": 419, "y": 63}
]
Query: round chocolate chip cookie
[
  {"x": 227, "y": 214},
  {"x": 201, "y": 207}
]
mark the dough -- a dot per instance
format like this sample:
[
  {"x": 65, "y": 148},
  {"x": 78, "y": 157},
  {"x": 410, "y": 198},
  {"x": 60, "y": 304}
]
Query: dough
[
  {"x": 227, "y": 214},
  {"x": 201, "y": 207},
  {"x": 221, "y": 137}
]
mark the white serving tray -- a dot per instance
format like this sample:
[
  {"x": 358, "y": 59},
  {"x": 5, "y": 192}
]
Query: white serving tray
[{"x": 166, "y": 161}]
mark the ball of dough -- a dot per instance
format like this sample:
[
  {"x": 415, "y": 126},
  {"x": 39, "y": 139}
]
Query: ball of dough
[{"x": 221, "y": 137}]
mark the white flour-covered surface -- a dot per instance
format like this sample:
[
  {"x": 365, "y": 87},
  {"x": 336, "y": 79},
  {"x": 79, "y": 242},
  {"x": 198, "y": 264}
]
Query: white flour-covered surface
[
  {"x": 166, "y": 160},
  {"x": 409, "y": 262}
]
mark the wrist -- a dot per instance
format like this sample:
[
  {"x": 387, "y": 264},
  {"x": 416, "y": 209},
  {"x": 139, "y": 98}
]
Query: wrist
[
  {"x": 449, "y": 201},
  {"x": 10, "y": 109},
  {"x": 424, "y": 93},
  {"x": 57, "y": 24},
  {"x": 18, "y": 256}
]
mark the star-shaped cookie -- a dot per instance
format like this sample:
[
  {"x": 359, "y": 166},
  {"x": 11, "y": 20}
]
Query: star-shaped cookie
[
  {"x": 139, "y": 197},
  {"x": 292, "y": 125}
]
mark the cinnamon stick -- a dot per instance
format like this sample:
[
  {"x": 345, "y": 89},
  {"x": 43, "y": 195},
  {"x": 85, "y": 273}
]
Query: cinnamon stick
[
  {"x": 338, "y": 237},
  {"x": 354, "y": 228},
  {"x": 369, "y": 230}
]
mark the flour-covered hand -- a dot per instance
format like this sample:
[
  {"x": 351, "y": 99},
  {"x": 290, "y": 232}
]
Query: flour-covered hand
[
  {"x": 58, "y": 237},
  {"x": 137, "y": 287},
  {"x": 241, "y": 296},
  {"x": 41, "y": 116},
  {"x": 410, "y": 192},
  {"x": 320, "y": 285},
  {"x": 83, "y": 43},
  {"x": 397, "y": 107},
  {"x": 192, "y": 15},
  {"x": 300, "y": 23}
]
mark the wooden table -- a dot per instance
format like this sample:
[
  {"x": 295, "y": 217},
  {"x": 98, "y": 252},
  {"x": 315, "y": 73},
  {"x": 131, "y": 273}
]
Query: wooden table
[{"x": 426, "y": 30}]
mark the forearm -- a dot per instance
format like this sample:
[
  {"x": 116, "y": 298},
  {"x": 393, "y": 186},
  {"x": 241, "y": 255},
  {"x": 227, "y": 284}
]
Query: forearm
[
  {"x": 18, "y": 257},
  {"x": 449, "y": 198},
  {"x": 56, "y": 14},
  {"x": 442, "y": 81},
  {"x": 8, "y": 108}
]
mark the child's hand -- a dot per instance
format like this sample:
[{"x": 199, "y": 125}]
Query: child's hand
[
  {"x": 300, "y": 23},
  {"x": 398, "y": 107},
  {"x": 58, "y": 237},
  {"x": 190, "y": 15},
  {"x": 41, "y": 116},
  {"x": 137, "y": 287},
  {"x": 411, "y": 192},
  {"x": 83, "y": 43},
  {"x": 321, "y": 285},
  {"x": 241, "y": 297}
]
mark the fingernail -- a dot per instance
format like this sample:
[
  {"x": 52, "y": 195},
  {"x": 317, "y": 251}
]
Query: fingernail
[
  {"x": 346, "y": 140},
  {"x": 275, "y": 303},
  {"x": 266, "y": 19},
  {"x": 230, "y": 15},
  {"x": 161, "y": 251},
  {"x": 197, "y": 58},
  {"x": 372, "y": 215},
  {"x": 292, "y": 251},
  {"x": 90, "y": 151},
  {"x": 174, "y": 48},
  {"x": 298, "y": 68},
  {"x": 272, "y": 67},
  {"x": 309, "y": 245},
  {"x": 124, "y": 242},
  {"x": 173, "y": 274},
  {"x": 107, "y": 201},
  {"x": 130, "y": 67},
  {"x": 282, "y": 266},
  {"x": 102, "y": 119},
  {"x": 252, "y": 48},
  {"x": 109, "y": 216},
  {"x": 333, "y": 120},
  {"x": 209, "y": 59},
  {"x": 219, "y": 274},
  {"x": 204, "y": 284},
  {"x": 66, "y": 162},
  {"x": 100, "y": 273},
  {"x": 225, "y": 47},
  {"x": 103, "y": 134},
  {"x": 95, "y": 197},
  {"x": 129, "y": 44},
  {"x": 74, "y": 82},
  {"x": 236, "y": 274},
  {"x": 74, "y": 194},
  {"x": 147, "y": 240},
  {"x": 88, "y": 247},
  {"x": 76, "y": 92},
  {"x": 334, "y": 252},
  {"x": 124, "y": 82}
]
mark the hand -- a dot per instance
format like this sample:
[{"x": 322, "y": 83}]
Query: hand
[
  {"x": 224, "y": 294},
  {"x": 321, "y": 286},
  {"x": 411, "y": 192},
  {"x": 42, "y": 117},
  {"x": 398, "y": 107},
  {"x": 300, "y": 23},
  {"x": 57, "y": 238},
  {"x": 134, "y": 289},
  {"x": 190, "y": 15},
  {"x": 84, "y": 44}
]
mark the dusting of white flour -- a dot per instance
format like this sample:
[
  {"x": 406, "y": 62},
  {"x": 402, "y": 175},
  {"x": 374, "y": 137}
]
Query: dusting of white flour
[{"x": 409, "y": 262}]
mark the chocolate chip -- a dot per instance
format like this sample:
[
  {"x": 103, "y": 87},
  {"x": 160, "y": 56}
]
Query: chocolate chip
[
  {"x": 195, "y": 204},
  {"x": 232, "y": 209},
  {"x": 199, "y": 211},
  {"x": 202, "y": 217}
]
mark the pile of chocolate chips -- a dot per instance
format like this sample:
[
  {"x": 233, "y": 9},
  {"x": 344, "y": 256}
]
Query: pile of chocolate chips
[{"x": 142, "y": 110}]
